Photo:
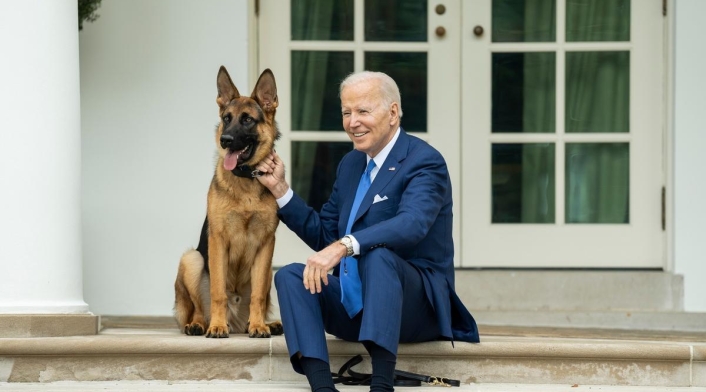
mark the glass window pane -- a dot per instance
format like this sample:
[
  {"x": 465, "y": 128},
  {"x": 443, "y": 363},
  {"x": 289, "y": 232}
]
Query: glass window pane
[
  {"x": 524, "y": 92},
  {"x": 523, "y": 183},
  {"x": 314, "y": 169},
  {"x": 597, "y": 20},
  {"x": 597, "y": 183},
  {"x": 330, "y": 20},
  {"x": 598, "y": 91},
  {"x": 409, "y": 70},
  {"x": 524, "y": 21},
  {"x": 316, "y": 76},
  {"x": 396, "y": 20}
]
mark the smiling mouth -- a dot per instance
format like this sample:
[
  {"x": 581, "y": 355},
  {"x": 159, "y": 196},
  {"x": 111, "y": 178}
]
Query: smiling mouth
[{"x": 359, "y": 134}]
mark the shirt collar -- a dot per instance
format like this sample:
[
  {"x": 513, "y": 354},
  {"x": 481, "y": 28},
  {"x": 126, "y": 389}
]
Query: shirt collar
[{"x": 380, "y": 158}]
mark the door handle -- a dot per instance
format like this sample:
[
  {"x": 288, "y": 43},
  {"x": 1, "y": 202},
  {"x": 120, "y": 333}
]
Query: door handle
[{"x": 440, "y": 10}]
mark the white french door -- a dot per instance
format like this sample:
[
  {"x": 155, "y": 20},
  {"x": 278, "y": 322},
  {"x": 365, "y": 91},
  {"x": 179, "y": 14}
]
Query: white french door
[{"x": 562, "y": 121}]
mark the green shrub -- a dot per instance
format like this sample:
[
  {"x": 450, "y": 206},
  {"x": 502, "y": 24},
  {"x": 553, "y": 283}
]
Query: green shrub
[{"x": 87, "y": 11}]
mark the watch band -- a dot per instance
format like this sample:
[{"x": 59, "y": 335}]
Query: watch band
[{"x": 348, "y": 243}]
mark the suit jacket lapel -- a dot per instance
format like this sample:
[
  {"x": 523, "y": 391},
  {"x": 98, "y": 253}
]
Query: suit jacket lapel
[{"x": 384, "y": 175}]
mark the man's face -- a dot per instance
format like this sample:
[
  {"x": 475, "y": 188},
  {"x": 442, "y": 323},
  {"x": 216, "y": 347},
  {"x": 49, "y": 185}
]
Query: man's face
[{"x": 367, "y": 121}]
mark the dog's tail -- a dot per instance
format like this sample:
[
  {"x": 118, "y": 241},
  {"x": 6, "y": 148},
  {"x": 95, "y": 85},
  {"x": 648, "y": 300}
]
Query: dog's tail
[{"x": 188, "y": 302}]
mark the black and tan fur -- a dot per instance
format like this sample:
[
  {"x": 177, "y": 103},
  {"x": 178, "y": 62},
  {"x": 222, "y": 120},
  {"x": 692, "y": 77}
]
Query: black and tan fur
[{"x": 223, "y": 286}]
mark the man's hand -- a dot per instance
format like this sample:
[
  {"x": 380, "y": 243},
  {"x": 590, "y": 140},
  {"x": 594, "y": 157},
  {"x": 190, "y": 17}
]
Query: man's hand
[
  {"x": 320, "y": 263},
  {"x": 273, "y": 177}
]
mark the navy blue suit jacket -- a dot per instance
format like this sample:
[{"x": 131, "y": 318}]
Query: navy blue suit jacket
[{"x": 415, "y": 221}]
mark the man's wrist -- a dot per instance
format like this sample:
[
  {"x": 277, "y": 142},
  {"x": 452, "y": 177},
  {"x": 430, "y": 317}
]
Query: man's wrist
[
  {"x": 280, "y": 189},
  {"x": 342, "y": 249}
]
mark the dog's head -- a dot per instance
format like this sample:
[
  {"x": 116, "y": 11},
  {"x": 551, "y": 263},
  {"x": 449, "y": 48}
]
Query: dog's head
[{"x": 247, "y": 131}]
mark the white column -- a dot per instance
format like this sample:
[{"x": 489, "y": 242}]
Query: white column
[{"x": 40, "y": 158}]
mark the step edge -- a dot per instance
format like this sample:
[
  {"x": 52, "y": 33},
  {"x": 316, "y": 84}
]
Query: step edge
[{"x": 495, "y": 348}]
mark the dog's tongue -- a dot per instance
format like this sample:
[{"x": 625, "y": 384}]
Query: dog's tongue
[{"x": 231, "y": 160}]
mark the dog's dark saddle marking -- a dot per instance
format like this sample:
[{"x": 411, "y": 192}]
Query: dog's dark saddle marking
[{"x": 203, "y": 244}]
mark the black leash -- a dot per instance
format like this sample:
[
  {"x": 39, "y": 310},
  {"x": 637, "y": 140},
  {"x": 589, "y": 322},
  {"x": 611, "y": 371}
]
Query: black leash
[{"x": 348, "y": 376}]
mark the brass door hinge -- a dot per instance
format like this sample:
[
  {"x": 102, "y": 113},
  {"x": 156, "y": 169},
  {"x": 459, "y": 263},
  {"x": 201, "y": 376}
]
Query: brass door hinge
[
  {"x": 257, "y": 7},
  {"x": 664, "y": 7}
]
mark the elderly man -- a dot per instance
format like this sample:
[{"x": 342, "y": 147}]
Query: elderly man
[{"x": 386, "y": 232}]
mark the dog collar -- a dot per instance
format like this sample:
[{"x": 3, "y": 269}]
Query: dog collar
[{"x": 245, "y": 171}]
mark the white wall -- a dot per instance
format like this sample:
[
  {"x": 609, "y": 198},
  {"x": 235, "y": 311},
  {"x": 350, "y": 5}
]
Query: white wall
[
  {"x": 689, "y": 157},
  {"x": 148, "y": 112}
]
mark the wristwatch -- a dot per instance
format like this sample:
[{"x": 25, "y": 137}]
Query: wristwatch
[{"x": 348, "y": 243}]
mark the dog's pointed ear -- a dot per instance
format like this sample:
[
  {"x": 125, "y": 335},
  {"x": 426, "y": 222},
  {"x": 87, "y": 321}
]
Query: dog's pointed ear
[
  {"x": 265, "y": 92},
  {"x": 226, "y": 89}
]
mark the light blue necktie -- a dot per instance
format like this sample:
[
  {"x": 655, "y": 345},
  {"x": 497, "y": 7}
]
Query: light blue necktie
[{"x": 351, "y": 287}]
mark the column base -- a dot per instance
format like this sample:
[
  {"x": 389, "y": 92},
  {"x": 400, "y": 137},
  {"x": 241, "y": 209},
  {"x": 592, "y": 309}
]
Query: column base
[{"x": 48, "y": 325}]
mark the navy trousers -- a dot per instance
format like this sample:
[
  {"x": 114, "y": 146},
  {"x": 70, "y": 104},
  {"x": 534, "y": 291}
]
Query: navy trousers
[{"x": 395, "y": 308}]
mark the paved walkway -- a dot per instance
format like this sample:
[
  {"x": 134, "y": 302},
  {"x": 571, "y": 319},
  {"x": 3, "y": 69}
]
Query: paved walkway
[{"x": 289, "y": 387}]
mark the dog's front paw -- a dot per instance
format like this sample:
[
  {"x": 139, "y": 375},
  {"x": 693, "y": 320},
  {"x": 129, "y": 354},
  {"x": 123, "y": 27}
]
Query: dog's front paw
[
  {"x": 259, "y": 330},
  {"x": 217, "y": 331},
  {"x": 194, "y": 329}
]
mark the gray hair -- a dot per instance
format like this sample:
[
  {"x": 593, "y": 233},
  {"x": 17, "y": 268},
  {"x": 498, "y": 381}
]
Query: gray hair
[{"x": 388, "y": 88}]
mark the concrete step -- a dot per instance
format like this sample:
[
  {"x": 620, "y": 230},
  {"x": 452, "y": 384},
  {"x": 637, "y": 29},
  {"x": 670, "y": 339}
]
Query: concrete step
[
  {"x": 553, "y": 356},
  {"x": 570, "y": 290},
  {"x": 622, "y": 320}
]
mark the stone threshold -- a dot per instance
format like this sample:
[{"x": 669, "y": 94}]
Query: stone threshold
[{"x": 165, "y": 354}]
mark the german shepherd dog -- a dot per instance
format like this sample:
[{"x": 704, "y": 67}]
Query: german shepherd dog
[{"x": 225, "y": 282}]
